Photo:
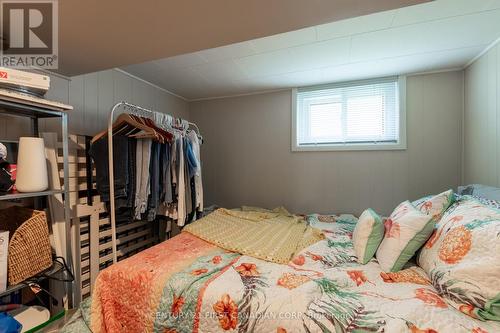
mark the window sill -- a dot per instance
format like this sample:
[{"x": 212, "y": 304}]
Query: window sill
[{"x": 350, "y": 147}]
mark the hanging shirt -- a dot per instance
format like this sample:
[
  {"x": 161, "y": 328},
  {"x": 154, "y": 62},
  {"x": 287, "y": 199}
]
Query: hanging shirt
[
  {"x": 191, "y": 159},
  {"x": 144, "y": 188},
  {"x": 187, "y": 184},
  {"x": 154, "y": 182},
  {"x": 198, "y": 186},
  {"x": 181, "y": 190},
  {"x": 166, "y": 177}
]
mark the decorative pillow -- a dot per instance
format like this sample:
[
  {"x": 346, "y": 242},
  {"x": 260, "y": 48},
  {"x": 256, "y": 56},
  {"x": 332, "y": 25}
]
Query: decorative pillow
[
  {"x": 406, "y": 230},
  {"x": 419, "y": 202},
  {"x": 367, "y": 235},
  {"x": 487, "y": 202},
  {"x": 462, "y": 258},
  {"x": 479, "y": 190},
  {"x": 341, "y": 225},
  {"x": 435, "y": 205}
]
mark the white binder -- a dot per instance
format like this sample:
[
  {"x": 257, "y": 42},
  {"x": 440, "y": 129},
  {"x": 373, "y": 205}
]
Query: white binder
[{"x": 4, "y": 247}]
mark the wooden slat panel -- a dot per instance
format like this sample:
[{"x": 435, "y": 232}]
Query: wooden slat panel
[
  {"x": 85, "y": 276},
  {"x": 77, "y": 186},
  {"x": 77, "y": 173},
  {"x": 131, "y": 236},
  {"x": 86, "y": 290},
  {"x": 72, "y": 145},
  {"x": 72, "y": 159},
  {"x": 125, "y": 239},
  {"x": 128, "y": 249}
]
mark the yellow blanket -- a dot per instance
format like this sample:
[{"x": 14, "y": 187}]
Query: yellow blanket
[{"x": 272, "y": 235}]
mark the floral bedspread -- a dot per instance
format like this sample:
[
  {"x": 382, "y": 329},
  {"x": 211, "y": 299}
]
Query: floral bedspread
[{"x": 188, "y": 285}]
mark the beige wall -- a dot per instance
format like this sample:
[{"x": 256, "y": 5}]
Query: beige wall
[
  {"x": 482, "y": 120},
  {"x": 92, "y": 96},
  {"x": 247, "y": 158}
]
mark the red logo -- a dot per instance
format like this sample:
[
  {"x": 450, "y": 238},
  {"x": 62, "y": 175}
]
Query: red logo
[{"x": 3, "y": 75}]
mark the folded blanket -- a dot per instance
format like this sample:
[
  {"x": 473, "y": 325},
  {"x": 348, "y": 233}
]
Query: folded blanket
[{"x": 269, "y": 235}]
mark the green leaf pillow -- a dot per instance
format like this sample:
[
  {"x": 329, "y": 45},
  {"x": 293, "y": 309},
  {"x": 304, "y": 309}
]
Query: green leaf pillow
[{"x": 368, "y": 234}]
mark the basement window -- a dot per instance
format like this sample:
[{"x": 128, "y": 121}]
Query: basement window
[{"x": 359, "y": 115}]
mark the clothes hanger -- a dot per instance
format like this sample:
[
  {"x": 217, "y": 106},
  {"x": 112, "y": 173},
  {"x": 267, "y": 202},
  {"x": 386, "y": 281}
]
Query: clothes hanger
[
  {"x": 166, "y": 135},
  {"x": 196, "y": 129},
  {"x": 125, "y": 121}
]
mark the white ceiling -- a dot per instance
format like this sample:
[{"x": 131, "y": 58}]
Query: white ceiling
[
  {"x": 438, "y": 35},
  {"x": 95, "y": 35}
]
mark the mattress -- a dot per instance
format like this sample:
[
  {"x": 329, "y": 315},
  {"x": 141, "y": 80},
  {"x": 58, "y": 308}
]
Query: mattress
[{"x": 188, "y": 285}]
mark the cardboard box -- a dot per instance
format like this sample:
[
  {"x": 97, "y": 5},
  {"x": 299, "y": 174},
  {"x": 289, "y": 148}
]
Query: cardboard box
[{"x": 4, "y": 247}]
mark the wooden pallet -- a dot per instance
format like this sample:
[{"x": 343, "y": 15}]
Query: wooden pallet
[{"x": 91, "y": 229}]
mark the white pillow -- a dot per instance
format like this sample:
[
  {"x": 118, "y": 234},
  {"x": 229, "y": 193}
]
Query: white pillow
[
  {"x": 367, "y": 235},
  {"x": 435, "y": 205},
  {"x": 462, "y": 258},
  {"x": 406, "y": 230}
]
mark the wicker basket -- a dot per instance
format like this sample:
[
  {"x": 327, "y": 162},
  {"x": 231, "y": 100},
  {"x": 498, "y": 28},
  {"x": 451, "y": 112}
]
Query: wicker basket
[{"x": 29, "y": 245}]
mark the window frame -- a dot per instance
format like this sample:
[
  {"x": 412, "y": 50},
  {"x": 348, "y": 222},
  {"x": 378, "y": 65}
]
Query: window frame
[{"x": 352, "y": 146}]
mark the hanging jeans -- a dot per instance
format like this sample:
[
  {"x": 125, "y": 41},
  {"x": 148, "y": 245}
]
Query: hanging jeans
[
  {"x": 154, "y": 174},
  {"x": 123, "y": 170}
]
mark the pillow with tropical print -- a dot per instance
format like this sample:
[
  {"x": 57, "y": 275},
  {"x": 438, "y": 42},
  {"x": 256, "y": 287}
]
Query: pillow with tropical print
[
  {"x": 487, "y": 202},
  {"x": 406, "y": 230},
  {"x": 462, "y": 258},
  {"x": 333, "y": 224},
  {"x": 435, "y": 205},
  {"x": 368, "y": 234}
]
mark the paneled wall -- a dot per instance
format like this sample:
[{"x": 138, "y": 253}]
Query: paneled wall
[
  {"x": 92, "y": 95},
  {"x": 247, "y": 158},
  {"x": 481, "y": 163}
]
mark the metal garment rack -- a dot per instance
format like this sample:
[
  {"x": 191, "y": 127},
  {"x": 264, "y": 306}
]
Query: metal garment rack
[{"x": 137, "y": 110}]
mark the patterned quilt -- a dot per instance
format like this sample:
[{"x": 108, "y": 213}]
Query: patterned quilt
[
  {"x": 271, "y": 236},
  {"x": 188, "y": 285}
]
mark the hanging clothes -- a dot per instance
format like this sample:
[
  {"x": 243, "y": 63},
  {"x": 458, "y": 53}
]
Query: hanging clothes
[
  {"x": 144, "y": 188},
  {"x": 124, "y": 171},
  {"x": 165, "y": 174},
  {"x": 198, "y": 186},
  {"x": 157, "y": 168},
  {"x": 181, "y": 190},
  {"x": 154, "y": 173}
]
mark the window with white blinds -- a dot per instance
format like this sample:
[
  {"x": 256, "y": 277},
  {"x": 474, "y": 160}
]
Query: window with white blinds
[{"x": 354, "y": 115}]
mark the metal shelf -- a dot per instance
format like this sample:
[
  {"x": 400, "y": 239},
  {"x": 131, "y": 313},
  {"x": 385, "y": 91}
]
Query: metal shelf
[
  {"x": 19, "y": 195},
  {"x": 24, "y": 110},
  {"x": 34, "y": 109},
  {"x": 52, "y": 271}
]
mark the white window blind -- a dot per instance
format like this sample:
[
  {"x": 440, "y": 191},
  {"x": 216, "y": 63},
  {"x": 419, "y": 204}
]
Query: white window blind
[{"x": 349, "y": 114}]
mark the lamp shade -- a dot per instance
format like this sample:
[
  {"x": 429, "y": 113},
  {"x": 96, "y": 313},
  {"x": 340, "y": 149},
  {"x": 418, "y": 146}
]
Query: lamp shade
[{"x": 31, "y": 166}]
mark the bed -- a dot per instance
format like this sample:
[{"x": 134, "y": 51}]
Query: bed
[{"x": 186, "y": 284}]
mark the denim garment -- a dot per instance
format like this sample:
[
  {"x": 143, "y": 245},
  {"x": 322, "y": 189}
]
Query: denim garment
[
  {"x": 154, "y": 176},
  {"x": 165, "y": 176},
  {"x": 191, "y": 159},
  {"x": 99, "y": 153},
  {"x": 143, "y": 186}
]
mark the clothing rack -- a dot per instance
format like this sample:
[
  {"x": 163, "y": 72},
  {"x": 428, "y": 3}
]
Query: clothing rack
[{"x": 139, "y": 111}]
